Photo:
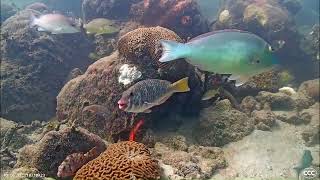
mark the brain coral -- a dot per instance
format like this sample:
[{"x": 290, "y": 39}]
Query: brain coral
[
  {"x": 145, "y": 41},
  {"x": 123, "y": 160}
]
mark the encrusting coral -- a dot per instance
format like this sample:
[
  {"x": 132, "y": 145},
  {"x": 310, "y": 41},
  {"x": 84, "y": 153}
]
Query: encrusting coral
[{"x": 123, "y": 160}]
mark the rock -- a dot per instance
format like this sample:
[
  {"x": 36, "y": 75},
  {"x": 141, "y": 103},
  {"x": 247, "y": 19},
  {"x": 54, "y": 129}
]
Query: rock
[
  {"x": 34, "y": 66},
  {"x": 311, "y": 89},
  {"x": 291, "y": 117},
  {"x": 8, "y": 160},
  {"x": 311, "y": 134},
  {"x": 181, "y": 16},
  {"x": 7, "y": 11},
  {"x": 177, "y": 142},
  {"x": 47, "y": 154},
  {"x": 310, "y": 44},
  {"x": 281, "y": 101},
  {"x": 71, "y": 7},
  {"x": 293, "y": 6},
  {"x": 197, "y": 163},
  {"x": 106, "y": 8},
  {"x": 38, "y": 6},
  {"x": 100, "y": 85},
  {"x": 13, "y": 136},
  {"x": 248, "y": 104},
  {"x": 269, "y": 81},
  {"x": 222, "y": 124},
  {"x": 264, "y": 119},
  {"x": 271, "y": 17}
]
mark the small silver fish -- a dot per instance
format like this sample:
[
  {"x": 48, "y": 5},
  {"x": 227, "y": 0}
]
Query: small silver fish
[
  {"x": 149, "y": 93},
  {"x": 55, "y": 23}
]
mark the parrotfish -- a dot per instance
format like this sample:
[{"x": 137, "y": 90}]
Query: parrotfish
[
  {"x": 55, "y": 23},
  {"x": 240, "y": 53},
  {"x": 149, "y": 93}
]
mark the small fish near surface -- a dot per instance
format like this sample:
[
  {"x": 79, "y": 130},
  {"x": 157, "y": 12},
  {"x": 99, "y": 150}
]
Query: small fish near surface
[
  {"x": 149, "y": 93},
  {"x": 101, "y": 26},
  {"x": 55, "y": 24},
  {"x": 240, "y": 53}
]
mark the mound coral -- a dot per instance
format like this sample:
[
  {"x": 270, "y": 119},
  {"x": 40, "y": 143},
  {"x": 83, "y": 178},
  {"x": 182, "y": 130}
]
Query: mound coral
[
  {"x": 123, "y": 160},
  {"x": 182, "y": 16}
]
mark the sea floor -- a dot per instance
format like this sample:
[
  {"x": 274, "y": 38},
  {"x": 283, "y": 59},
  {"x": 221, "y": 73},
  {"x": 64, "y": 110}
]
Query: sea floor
[{"x": 266, "y": 155}]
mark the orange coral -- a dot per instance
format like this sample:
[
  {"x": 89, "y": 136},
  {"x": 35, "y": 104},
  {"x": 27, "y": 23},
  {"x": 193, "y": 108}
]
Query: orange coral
[{"x": 123, "y": 160}]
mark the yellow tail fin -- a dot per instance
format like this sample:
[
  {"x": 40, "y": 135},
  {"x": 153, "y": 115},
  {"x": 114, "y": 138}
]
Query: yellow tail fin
[{"x": 181, "y": 85}]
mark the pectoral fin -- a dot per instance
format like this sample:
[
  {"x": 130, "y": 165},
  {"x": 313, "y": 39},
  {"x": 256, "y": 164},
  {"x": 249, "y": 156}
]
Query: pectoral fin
[
  {"x": 240, "y": 80},
  {"x": 210, "y": 94},
  {"x": 147, "y": 111}
]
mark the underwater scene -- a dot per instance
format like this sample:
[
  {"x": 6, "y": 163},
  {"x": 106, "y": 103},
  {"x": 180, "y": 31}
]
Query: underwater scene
[{"x": 160, "y": 90}]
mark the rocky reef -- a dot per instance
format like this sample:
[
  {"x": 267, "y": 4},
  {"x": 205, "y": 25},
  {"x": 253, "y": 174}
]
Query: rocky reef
[
  {"x": 7, "y": 11},
  {"x": 196, "y": 162},
  {"x": 105, "y": 80},
  {"x": 106, "y": 8},
  {"x": 311, "y": 43},
  {"x": 47, "y": 154},
  {"x": 34, "y": 67},
  {"x": 181, "y": 16},
  {"x": 222, "y": 124}
]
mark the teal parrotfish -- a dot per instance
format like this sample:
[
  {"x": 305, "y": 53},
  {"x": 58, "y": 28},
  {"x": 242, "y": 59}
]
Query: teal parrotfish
[
  {"x": 149, "y": 93},
  {"x": 240, "y": 53},
  {"x": 55, "y": 23}
]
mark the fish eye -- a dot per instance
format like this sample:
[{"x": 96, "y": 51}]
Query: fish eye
[{"x": 131, "y": 94}]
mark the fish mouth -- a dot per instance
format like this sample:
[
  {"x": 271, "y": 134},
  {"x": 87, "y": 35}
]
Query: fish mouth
[{"x": 122, "y": 104}]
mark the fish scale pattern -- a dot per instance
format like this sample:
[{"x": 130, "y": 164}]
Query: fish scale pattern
[{"x": 121, "y": 161}]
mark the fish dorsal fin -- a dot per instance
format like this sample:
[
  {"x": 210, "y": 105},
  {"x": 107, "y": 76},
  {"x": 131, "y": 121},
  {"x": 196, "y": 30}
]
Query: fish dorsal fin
[{"x": 216, "y": 32}]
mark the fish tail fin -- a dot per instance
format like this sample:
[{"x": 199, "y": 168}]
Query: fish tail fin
[
  {"x": 181, "y": 85},
  {"x": 172, "y": 50}
]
